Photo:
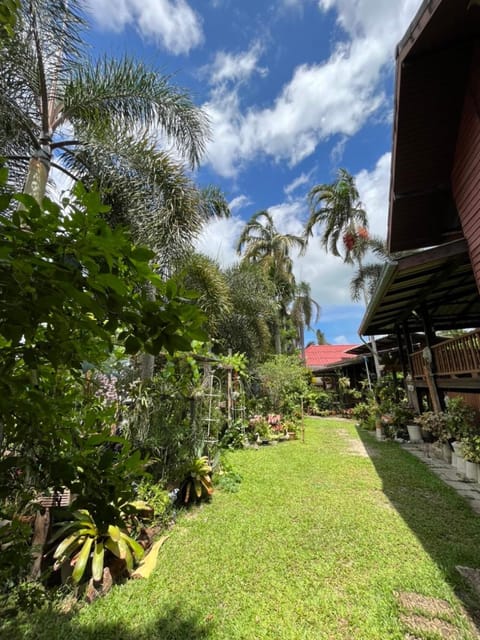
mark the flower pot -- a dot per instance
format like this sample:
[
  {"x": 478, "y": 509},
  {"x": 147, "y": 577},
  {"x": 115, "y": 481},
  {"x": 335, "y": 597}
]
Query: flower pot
[
  {"x": 447, "y": 452},
  {"x": 379, "y": 433},
  {"x": 414, "y": 433},
  {"x": 454, "y": 459},
  {"x": 471, "y": 471},
  {"x": 460, "y": 466}
]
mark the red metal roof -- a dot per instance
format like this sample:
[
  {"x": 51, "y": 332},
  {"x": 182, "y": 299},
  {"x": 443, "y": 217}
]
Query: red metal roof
[{"x": 324, "y": 355}]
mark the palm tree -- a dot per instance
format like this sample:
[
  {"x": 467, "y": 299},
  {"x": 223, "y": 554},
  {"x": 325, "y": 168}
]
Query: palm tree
[
  {"x": 366, "y": 278},
  {"x": 321, "y": 339},
  {"x": 338, "y": 210},
  {"x": 55, "y": 103},
  {"x": 304, "y": 312},
  {"x": 247, "y": 327},
  {"x": 263, "y": 244}
]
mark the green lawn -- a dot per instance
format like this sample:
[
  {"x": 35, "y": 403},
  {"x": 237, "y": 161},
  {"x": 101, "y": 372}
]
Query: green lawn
[{"x": 321, "y": 542}]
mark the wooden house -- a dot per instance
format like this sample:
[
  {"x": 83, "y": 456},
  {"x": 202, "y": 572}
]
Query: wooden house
[{"x": 433, "y": 281}]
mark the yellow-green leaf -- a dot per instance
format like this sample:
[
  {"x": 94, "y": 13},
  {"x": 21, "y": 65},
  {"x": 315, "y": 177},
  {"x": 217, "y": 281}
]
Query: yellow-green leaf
[
  {"x": 82, "y": 560},
  {"x": 97, "y": 561}
]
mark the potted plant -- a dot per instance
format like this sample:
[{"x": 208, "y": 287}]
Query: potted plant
[
  {"x": 471, "y": 454},
  {"x": 433, "y": 428},
  {"x": 460, "y": 426}
]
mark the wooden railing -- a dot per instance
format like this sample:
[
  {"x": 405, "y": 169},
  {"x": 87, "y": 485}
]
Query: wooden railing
[{"x": 458, "y": 356}]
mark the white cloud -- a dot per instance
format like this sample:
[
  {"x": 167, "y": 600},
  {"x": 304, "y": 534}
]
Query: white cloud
[
  {"x": 333, "y": 97},
  {"x": 298, "y": 182},
  {"x": 171, "y": 24},
  {"x": 235, "y": 67},
  {"x": 219, "y": 240},
  {"x": 238, "y": 203}
]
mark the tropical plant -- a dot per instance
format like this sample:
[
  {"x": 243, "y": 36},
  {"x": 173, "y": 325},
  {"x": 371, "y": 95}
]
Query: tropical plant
[
  {"x": 436, "y": 424},
  {"x": 197, "y": 482},
  {"x": 247, "y": 328},
  {"x": 82, "y": 539},
  {"x": 337, "y": 209},
  {"x": 284, "y": 381},
  {"x": 367, "y": 276},
  {"x": 304, "y": 312},
  {"x": 49, "y": 86},
  {"x": 262, "y": 244}
]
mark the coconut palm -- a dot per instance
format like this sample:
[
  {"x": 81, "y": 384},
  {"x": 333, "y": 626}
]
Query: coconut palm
[
  {"x": 56, "y": 103},
  {"x": 262, "y": 244}
]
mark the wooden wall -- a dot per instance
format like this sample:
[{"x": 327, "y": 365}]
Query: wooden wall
[{"x": 466, "y": 168}]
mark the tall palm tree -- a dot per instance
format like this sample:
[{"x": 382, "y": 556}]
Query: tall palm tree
[
  {"x": 337, "y": 209},
  {"x": 262, "y": 244},
  {"x": 56, "y": 103},
  {"x": 304, "y": 312}
]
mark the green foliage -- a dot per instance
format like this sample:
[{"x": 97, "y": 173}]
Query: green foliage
[
  {"x": 8, "y": 17},
  {"x": 71, "y": 291},
  {"x": 234, "y": 436},
  {"x": 435, "y": 423},
  {"x": 82, "y": 540},
  {"x": 197, "y": 483},
  {"x": 158, "y": 499},
  {"x": 284, "y": 381},
  {"x": 460, "y": 419}
]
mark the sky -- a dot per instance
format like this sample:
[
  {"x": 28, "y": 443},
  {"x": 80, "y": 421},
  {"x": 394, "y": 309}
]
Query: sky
[{"x": 294, "y": 89}]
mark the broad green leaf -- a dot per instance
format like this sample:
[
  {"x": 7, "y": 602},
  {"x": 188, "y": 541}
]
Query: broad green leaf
[
  {"x": 82, "y": 559},
  {"x": 97, "y": 560},
  {"x": 138, "y": 550},
  {"x": 114, "y": 532}
]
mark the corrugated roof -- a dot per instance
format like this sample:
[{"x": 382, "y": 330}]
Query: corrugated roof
[{"x": 324, "y": 355}]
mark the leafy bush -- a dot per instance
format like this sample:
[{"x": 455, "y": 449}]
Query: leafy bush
[
  {"x": 234, "y": 435},
  {"x": 158, "y": 499},
  {"x": 284, "y": 382}
]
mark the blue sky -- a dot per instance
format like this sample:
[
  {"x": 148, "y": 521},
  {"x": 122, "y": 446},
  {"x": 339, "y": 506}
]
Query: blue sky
[{"x": 294, "y": 89}]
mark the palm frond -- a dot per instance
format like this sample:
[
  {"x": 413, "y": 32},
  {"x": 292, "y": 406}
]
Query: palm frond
[{"x": 128, "y": 92}]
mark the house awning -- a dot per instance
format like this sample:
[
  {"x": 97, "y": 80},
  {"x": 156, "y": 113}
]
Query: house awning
[{"x": 437, "y": 281}]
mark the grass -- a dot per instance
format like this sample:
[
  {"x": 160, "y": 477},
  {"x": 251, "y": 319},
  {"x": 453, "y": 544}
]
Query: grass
[{"x": 321, "y": 542}]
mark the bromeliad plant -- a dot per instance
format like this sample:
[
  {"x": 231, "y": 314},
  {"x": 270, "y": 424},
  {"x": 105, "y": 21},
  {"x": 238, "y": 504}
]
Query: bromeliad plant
[
  {"x": 197, "y": 483},
  {"x": 82, "y": 539}
]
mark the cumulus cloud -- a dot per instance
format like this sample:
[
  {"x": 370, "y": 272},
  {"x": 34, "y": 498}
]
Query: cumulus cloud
[
  {"x": 235, "y": 67},
  {"x": 219, "y": 239},
  {"x": 333, "y": 97},
  {"x": 171, "y": 24},
  {"x": 297, "y": 183},
  {"x": 238, "y": 203}
]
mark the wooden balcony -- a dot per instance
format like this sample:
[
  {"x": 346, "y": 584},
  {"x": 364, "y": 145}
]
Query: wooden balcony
[{"x": 455, "y": 358}]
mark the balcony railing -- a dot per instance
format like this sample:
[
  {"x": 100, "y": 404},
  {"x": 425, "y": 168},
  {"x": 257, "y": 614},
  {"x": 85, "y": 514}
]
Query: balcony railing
[{"x": 458, "y": 356}]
